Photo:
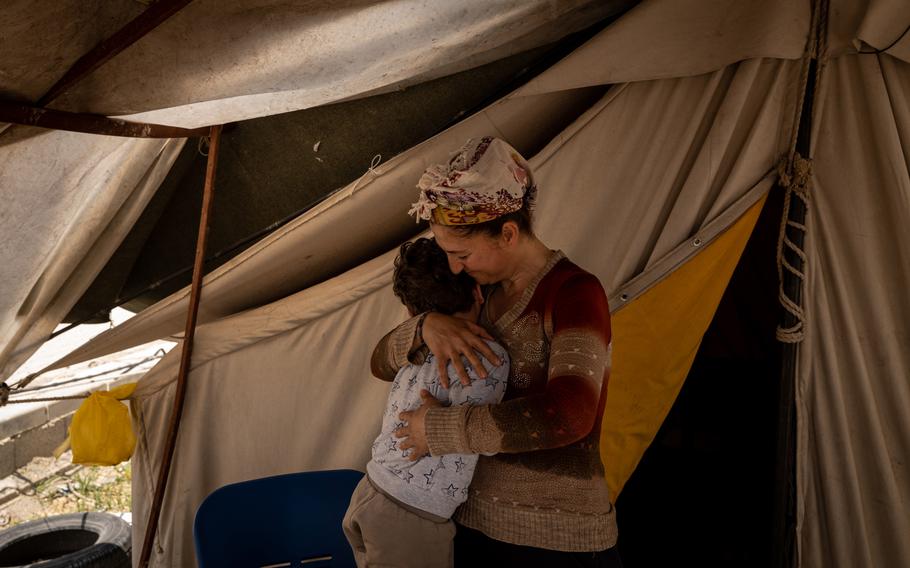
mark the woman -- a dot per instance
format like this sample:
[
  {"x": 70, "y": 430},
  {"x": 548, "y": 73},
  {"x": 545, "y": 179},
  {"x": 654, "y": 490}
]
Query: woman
[{"x": 538, "y": 496}]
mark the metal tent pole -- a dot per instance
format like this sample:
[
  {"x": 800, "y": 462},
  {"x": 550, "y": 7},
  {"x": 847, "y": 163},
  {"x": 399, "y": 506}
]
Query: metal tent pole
[{"x": 180, "y": 393}]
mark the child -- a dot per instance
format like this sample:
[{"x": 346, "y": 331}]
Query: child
[{"x": 400, "y": 513}]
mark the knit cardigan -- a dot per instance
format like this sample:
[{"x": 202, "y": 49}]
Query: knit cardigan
[{"x": 544, "y": 486}]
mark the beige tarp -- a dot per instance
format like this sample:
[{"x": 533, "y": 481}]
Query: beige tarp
[
  {"x": 219, "y": 61},
  {"x": 68, "y": 201},
  {"x": 214, "y": 61},
  {"x": 680, "y": 38}
]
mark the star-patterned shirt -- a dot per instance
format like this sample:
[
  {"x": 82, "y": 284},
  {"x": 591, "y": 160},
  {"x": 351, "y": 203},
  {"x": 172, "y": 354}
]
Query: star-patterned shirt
[{"x": 439, "y": 484}]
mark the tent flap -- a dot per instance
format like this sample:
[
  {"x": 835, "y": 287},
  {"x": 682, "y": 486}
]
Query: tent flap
[
  {"x": 852, "y": 390},
  {"x": 655, "y": 339}
]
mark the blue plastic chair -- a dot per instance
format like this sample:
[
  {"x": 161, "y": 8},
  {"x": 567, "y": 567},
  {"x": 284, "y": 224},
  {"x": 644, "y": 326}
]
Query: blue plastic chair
[{"x": 286, "y": 520}]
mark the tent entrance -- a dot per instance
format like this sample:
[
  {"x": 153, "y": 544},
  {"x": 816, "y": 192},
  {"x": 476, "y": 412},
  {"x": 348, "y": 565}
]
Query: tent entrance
[{"x": 703, "y": 493}]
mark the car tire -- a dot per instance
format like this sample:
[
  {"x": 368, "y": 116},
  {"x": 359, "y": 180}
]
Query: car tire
[{"x": 75, "y": 540}]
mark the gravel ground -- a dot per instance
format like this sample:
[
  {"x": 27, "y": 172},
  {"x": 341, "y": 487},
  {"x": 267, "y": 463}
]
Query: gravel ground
[{"x": 48, "y": 486}]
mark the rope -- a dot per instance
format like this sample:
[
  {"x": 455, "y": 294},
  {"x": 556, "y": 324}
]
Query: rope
[
  {"x": 5, "y": 399},
  {"x": 43, "y": 399},
  {"x": 811, "y": 53},
  {"x": 26, "y": 381},
  {"x": 797, "y": 180},
  {"x": 374, "y": 163},
  {"x": 5, "y": 391},
  {"x": 795, "y": 175}
]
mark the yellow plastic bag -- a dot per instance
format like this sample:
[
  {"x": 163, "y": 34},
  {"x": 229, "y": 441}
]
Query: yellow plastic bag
[{"x": 101, "y": 432}]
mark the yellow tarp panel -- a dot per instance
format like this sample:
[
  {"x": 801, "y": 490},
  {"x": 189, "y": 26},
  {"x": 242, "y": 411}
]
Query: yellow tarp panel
[
  {"x": 655, "y": 339},
  {"x": 101, "y": 433}
]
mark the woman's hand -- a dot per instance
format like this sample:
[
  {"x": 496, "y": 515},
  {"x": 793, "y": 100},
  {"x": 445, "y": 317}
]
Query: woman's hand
[
  {"x": 449, "y": 338},
  {"x": 415, "y": 433}
]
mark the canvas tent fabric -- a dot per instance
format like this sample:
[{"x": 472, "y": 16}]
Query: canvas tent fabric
[
  {"x": 273, "y": 168},
  {"x": 219, "y": 61},
  {"x": 851, "y": 492},
  {"x": 322, "y": 260},
  {"x": 328, "y": 329},
  {"x": 853, "y": 384},
  {"x": 262, "y": 273},
  {"x": 68, "y": 202},
  {"x": 645, "y": 382},
  {"x": 204, "y": 64}
]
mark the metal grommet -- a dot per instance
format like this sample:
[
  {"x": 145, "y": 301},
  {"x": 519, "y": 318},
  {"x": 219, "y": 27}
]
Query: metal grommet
[
  {"x": 696, "y": 242},
  {"x": 624, "y": 297}
]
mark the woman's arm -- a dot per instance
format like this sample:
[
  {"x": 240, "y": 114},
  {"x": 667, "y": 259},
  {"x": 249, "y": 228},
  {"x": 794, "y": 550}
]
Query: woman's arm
[
  {"x": 450, "y": 338},
  {"x": 393, "y": 351},
  {"x": 565, "y": 411},
  {"x": 447, "y": 337},
  {"x": 479, "y": 392}
]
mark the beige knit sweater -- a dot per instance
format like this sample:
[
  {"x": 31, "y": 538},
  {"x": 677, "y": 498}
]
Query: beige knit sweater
[{"x": 545, "y": 486}]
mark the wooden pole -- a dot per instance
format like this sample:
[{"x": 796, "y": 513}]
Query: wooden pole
[
  {"x": 91, "y": 123},
  {"x": 126, "y": 36},
  {"x": 180, "y": 394}
]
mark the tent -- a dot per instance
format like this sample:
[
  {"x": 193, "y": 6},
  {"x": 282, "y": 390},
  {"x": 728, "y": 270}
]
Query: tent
[{"x": 655, "y": 143}]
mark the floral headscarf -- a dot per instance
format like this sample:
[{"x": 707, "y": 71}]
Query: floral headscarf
[{"x": 485, "y": 179}]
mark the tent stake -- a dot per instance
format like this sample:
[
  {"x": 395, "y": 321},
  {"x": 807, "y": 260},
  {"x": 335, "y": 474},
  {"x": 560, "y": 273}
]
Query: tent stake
[{"x": 180, "y": 393}]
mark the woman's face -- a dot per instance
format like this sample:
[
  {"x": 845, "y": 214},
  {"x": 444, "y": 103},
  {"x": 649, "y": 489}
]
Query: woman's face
[{"x": 483, "y": 257}]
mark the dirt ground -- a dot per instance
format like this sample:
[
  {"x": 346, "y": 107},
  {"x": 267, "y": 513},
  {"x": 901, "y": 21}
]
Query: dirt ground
[{"x": 48, "y": 486}]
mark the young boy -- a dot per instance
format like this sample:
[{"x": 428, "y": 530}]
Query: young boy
[{"x": 400, "y": 513}]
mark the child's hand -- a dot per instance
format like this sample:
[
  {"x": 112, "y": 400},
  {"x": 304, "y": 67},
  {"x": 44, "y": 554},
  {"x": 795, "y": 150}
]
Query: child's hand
[
  {"x": 449, "y": 338},
  {"x": 414, "y": 432}
]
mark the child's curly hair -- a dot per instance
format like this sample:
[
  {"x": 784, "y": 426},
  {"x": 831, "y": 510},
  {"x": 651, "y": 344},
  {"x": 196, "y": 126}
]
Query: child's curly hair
[{"x": 424, "y": 283}]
